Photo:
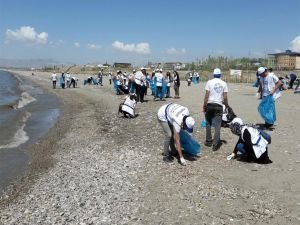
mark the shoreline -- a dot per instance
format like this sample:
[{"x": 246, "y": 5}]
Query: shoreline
[
  {"x": 39, "y": 161},
  {"x": 105, "y": 169}
]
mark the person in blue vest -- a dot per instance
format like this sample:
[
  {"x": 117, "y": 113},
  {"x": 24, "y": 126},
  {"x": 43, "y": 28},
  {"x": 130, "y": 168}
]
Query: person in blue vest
[
  {"x": 174, "y": 117},
  {"x": 252, "y": 144}
]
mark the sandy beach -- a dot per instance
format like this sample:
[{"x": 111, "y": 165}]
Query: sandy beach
[{"x": 95, "y": 167}]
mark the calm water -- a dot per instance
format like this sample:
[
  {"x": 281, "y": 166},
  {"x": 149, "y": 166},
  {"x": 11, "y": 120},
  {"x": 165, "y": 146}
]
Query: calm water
[{"x": 26, "y": 114}]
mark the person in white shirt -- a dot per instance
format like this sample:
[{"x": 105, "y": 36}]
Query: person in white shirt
[
  {"x": 68, "y": 78},
  {"x": 215, "y": 96},
  {"x": 174, "y": 117},
  {"x": 139, "y": 84},
  {"x": 168, "y": 81},
  {"x": 109, "y": 78},
  {"x": 252, "y": 143},
  {"x": 54, "y": 79},
  {"x": 159, "y": 83},
  {"x": 269, "y": 85},
  {"x": 127, "y": 106}
]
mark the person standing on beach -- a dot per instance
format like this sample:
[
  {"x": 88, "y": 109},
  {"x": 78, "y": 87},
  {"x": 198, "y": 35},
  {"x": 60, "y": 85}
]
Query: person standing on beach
[
  {"x": 159, "y": 83},
  {"x": 168, "y": 81},
  {"x": 54, "y": 79},
  {"x": 139, "y": 83},
  {"x": 215, "y": 96},
  {"x": 100, "y": 77},
  {"x": 172, "y": 118},
  {"x": 176, "y": 81},
  {"x": 269, "y": 85},
  {"x": 68, "y": 78},
  {"x": 109, "y": 78}
]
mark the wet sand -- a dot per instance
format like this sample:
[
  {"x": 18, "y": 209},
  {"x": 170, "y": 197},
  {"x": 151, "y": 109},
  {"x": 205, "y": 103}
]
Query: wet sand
[{"x": 95, "y": 167}]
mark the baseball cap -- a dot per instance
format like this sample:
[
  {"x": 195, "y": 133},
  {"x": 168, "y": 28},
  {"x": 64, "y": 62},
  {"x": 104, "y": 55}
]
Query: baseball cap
[
  {"x": 217, "y": 71},
  {"x": 189, "y": 122},
  {"x": 142, "y": 68},
  {"x": 261, "y": 70},
  {"x": 237, "y": 120},
  {"x": 160, "y": 70}
]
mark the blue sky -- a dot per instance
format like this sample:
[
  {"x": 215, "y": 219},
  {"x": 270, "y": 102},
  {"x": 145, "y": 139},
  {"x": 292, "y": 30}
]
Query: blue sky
[{"x": 139, "y": 31}]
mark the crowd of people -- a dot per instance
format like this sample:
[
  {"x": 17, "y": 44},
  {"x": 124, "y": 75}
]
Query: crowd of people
[
  {"x": 253, "y": 141},
  {"x": 65, "y": 81},
  {"x": 139, "y": 82},
  {"x": 252, "y": 145}
]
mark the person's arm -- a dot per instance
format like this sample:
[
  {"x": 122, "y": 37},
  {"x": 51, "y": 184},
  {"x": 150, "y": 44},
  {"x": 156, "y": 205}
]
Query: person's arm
[
  {"x": 278, "y": 84},
  {"x": 225, "y": 99},
  {"x": 205, "y": 100},
  {"x": 178, "y": 147}
]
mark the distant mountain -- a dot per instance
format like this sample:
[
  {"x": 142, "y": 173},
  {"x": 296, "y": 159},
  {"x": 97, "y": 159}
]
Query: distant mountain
[{"x": 28, "y": 63}]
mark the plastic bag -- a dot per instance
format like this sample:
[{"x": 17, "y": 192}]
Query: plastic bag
[
  {"x": 189, "y": 144},
  {"x": 267, "y": 110}
]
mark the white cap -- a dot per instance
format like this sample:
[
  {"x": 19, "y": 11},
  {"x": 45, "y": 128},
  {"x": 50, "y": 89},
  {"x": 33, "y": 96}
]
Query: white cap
[
  {"x": 190, "y": 122},
  {"x": 160, "y": 69},
  {"x": 261, "y": 70},
  {"x": 217, "y": 71},
  {"x": 237, "y": 120},
  {"x": 156, "y": 69},
  {"x": 142, "y": 68}
]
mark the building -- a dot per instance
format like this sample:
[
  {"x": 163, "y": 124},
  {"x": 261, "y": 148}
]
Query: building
[
  {"x": 174, "y": 66},
  {"x": 122, "y": 65},
  {"x": 287, "y": 60}
]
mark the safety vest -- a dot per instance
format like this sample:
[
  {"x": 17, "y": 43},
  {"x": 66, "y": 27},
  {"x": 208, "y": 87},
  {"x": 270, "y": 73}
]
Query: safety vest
[
  {"x": 129, "y": 106},
  {"x": 259, "y": 143}
]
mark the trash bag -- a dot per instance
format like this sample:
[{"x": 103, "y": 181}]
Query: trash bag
[
  {"x": 189, "y": 144},
  {"x": 230, "y": 114},
  {"x": 203, "y": 123},
  {"x": 266, "y": 109}
]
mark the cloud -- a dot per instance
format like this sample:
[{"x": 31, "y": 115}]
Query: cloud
[
  {"x": 295, "y": 44},
  {"x": 26, "y": 34},
  {"x": 57, "y": 43},
  {"x": 93, "y": 46},
  {"x": 174, "y": 51},
  {"x": 141, "y": 48},
  {"x": 77, "y": 44}
]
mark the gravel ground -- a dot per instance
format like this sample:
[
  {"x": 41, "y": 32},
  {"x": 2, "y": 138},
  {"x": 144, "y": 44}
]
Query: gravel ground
[{"x": 95, "y": 167}]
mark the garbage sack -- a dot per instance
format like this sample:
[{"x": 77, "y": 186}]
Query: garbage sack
[
  {"x": 203, "y": 123},
  {"x": 189, "y": 144},
  {"x": 266, "y": 109}
]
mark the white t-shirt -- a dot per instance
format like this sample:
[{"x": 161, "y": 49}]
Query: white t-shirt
[
  {"x": 129, "y": 106},
  {"x": 268, "y": 83},
  {"x": 139, "y": 77},
  {"x": 173, "y": 113},
  {"x": 54, "y": 77},
  {"x": 68, "y": 76},
  {"x": 159, "y": 79},
  {"x": 216, "y": 88}
]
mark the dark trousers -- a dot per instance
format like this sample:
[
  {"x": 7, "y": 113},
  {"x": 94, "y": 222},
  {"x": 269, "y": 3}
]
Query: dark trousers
[
  {"x": 139, "y": 93},
  {"x": 109, "y": 81},
  {"x": 159, "y": 92},
  {"x": 213, "y": 111},
  {"x": 54, "y": 83},
  {"x": 168, "y": 92},
  {"x": 72, "y": 83}
]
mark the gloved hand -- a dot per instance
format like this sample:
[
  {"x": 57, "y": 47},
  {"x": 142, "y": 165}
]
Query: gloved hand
[
  {"x": 231, "y": 156},
  {"x": 182, "y": 161}
]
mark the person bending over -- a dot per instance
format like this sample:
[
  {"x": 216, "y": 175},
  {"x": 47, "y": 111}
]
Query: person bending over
[
  {"x": 252, "y": 143},
  {"x": 174, "y": 117}
]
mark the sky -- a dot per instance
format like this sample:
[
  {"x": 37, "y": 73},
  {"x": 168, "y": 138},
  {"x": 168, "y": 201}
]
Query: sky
[{"x": 137, "y": 31}]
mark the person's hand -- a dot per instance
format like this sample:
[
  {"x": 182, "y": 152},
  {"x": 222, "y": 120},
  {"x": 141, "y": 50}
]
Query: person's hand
[
  {"x": 231, "y": 156},
  {"x": 204, "y": 108},
  {"x": 182, "y": 161}
]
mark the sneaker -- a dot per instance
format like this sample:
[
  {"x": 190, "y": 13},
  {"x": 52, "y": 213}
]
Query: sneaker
[{"x": 168, "y": 159}]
